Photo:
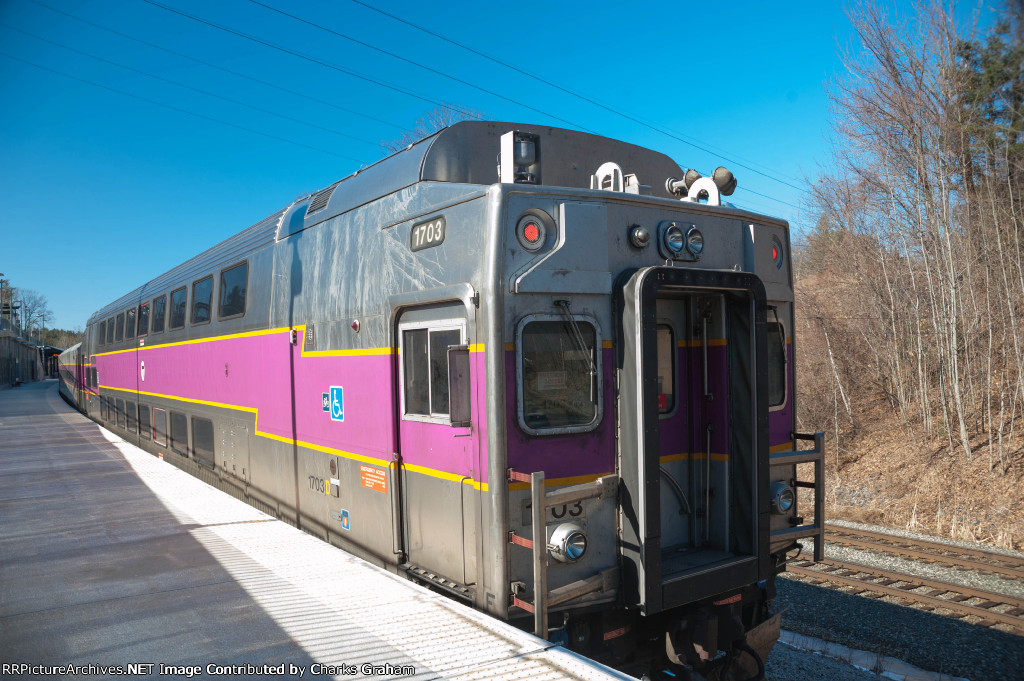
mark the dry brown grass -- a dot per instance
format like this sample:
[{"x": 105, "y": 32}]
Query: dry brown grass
[{"x": 887, "y": 476}]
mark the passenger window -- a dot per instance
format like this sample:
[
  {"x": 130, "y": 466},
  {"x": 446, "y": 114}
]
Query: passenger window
[
  {"x": 101, "y": 333},
  {"x": 110, "y": 331},
  {"x": 559, "y": 370},
  {"x": 159, "y": 310},
  {"x": 119, "y": 328},
  {"x": 143, "y": 319},
  {"x": 119, "y": 405},
  {"x": 131, "y": 416},
  {"x": 179, "y": 300},
  {"x": 144, "y": 425},
  {"x": 776, "y": 365},
  {"x": 159, "y": 426},
  {"x": 129, "y": 323},
  {"x": 202, "y": 294},
  {"x": 179, "y": 433},
  {"x": 425, "y": 367},
  {"x": 202, "y": 441},
  {"x": 666, "y": 369},
  {"x": 233, "y": 282}
]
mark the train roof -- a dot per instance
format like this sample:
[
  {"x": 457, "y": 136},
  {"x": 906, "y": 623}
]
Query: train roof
[{"x": 466, "y": 152}]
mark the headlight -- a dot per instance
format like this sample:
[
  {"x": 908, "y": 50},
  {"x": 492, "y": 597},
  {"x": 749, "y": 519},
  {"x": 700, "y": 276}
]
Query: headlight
[
  {"x": 674, "y": 239},
  {"x": 783, "y": 498},
  {"x": 568, "y": 543},
  {"x": 694, "y": 241}
]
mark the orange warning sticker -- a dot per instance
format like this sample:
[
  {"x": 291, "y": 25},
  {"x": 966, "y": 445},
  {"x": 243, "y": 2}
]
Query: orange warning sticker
[{"x": 373, "y": 478}]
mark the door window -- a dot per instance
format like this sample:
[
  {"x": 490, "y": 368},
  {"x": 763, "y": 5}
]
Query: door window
[{"x": 424, "y": 351}]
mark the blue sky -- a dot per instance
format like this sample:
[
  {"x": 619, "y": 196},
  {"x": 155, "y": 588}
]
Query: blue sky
[{"x": 103, "y": 191}]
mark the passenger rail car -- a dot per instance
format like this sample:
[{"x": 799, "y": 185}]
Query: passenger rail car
[{"x": 443, "y": 358}]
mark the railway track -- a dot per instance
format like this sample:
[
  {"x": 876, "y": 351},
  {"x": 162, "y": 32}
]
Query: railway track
[
  {"x": 980, "y": 607},
  {"x": 977, "y": 560},
  {"x": 928, "y": 594}
]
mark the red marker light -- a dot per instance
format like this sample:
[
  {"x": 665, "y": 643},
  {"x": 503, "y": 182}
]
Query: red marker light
[
  {"x": 531, "y": 232},
  {"x": 775, "y": 253}
]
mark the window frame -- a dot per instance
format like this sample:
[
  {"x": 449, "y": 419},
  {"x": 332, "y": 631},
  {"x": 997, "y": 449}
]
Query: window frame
[
  {"x": 598, "y": 361},
  {"x": 785, "y": 364},
  {"x": 163, "y": 318},
  {"x": 130, "y": 314},
  {"x": 192, "y": 309},
  {"x": 446, "y": 324},
  {"x": 245, "y": 292},
  {"x": 142, "y": 333},
  {"x": 184, "y": 319},
  {"x": 676, "y": 383}
]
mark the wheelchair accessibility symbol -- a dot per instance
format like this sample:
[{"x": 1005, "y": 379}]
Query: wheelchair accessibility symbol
[{"x": 335, "y": 403}]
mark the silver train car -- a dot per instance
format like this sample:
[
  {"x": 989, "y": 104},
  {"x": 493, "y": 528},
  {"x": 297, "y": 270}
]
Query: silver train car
[{"x": 545, "y": 372}]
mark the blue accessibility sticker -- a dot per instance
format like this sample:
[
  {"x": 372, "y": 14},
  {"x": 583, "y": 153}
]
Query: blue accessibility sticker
[
  {"x": 344, "y": 520},
  {"x": 337, "y": 403}
]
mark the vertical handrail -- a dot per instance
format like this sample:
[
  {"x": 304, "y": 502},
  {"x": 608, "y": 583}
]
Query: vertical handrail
[
  {"x": 708, "y": 395},
  {"x": 540, "y": 546},
  {"x": 819, "y": 497}
]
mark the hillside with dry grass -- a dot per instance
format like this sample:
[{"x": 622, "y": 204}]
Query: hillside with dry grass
[{"x": 910, "y": 288}]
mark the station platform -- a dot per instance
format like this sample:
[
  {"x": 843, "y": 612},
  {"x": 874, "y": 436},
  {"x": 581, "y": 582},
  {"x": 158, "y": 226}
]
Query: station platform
[{"x": 115, "y": 563}]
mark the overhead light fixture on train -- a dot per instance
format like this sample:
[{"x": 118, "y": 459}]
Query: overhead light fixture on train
[{"x": 680, "y": 241}]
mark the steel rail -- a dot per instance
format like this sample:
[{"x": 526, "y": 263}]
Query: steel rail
[
  {"x": 841, "y": 572},
  {"x": 929, "y": 551}
]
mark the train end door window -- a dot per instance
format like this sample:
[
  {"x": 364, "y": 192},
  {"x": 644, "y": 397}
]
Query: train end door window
[
  {"x": 425, "y": 369},
  {"x": 179, "y": 305},
  {"x": 558, "y": 371},
  {"x": 159, "y": 313},
  {"x": 202, "y": 296},
  {"x": 666, "y": 369},
  {"x": 233, "y": 282},
  {"x": 776, "y": 365}
]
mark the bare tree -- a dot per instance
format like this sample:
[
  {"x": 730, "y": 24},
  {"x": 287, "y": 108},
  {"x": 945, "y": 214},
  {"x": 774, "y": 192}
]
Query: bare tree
[
  {"x": 434, "y": 120},
  {"x": 35, "y": 309}
]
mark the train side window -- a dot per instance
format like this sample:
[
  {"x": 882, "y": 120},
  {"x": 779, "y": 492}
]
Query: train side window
[
  {"x": 202, "y": 441},
  {"x": 159, "y": 426},
  {"x": 129, "y": 323},
  {"x": 119, "y": 406},
  {"x": 110, "y": 331},
  {"x": 131, "y": 412},
  {"x": 119, "y": 328},
  {"x": 179, "y": 304},
  {"x": 666, "y": 369},
  {"x": 143, "y": 320},
  {"x": 103, "y": 408},
  {"x": 179, "y": 433},
  {"x": 233, "y": 283},
  {"x": 202, "y": 295},
  {"x": 559, "y": 375},
  {"x": 776, "y": 365},
  {"x": 145, "y": 428},
  {"x": 102, "y": 332},
  {"x": 424, "y": 351},
  {"x": 159, "y": 312}
]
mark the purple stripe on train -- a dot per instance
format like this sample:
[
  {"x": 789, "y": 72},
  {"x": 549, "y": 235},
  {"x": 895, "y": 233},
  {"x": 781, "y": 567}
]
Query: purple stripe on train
[{"x": 258, "y": 372}]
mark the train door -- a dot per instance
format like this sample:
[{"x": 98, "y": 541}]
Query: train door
[
  {"x": 693, "y": 443},
  {"x": 438, "y": 446}
]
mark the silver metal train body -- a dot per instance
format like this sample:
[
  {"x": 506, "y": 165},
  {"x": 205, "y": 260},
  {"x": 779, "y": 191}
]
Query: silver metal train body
[{"x": 442, "y": 357}]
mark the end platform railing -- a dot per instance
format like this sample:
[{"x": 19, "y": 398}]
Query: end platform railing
[{"x": 815, "y": 530}]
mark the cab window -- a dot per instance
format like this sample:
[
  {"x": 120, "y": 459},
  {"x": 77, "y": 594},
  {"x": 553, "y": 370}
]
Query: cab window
[{"x": 559, "y": 376}]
